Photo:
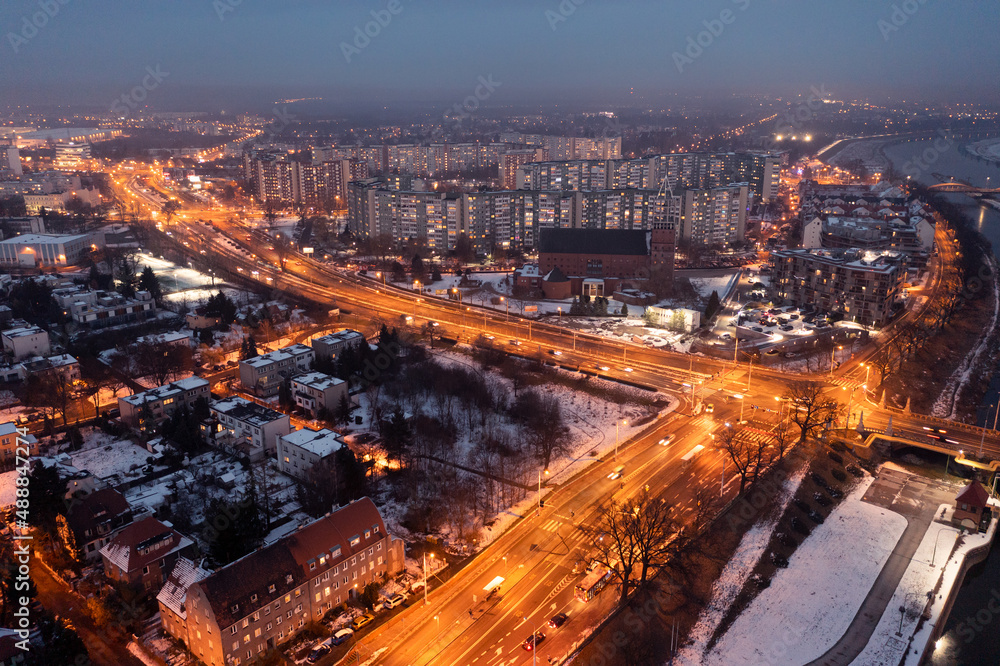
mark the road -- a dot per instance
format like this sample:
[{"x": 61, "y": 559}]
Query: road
[
  {"x": 104, "y": 650},
  {"x": 536, "y": 556}
]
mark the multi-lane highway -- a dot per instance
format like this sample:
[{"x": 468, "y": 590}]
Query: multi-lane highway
[{"x": 536, "y": 557}]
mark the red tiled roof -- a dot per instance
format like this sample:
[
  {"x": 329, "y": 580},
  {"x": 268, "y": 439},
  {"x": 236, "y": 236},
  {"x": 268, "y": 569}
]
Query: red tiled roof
[
  {"x": 98, "y": 507},
  {"x": 126, "y": 550},
  {"x": 973, "y": 494}
]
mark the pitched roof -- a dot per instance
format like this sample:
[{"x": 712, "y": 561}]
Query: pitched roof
[
  {"x": 555, "y": 275},
  {"x": 285, "y": 563},
  {"x": 593, "y": 241},
  {"x": 143, "y": 542},
  {"x": 174, "y": 593},
  {"x": 98, "y": 507},
  {"x": 973, "y": 494}
]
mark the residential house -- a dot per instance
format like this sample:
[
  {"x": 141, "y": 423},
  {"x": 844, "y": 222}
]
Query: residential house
[
  {"x": 162, "y": 401},
  {"x": 12, "y": 439},
  {"x": 329, "y": 346},
  {"x": 314, "y": 391},
  {"x": 172, "y": 598},
  {"x": 92, "y": 521},
  {"x": 244, "y": 428},
  {"x": 300, "y": 451},
  {"x": 264, "y": 374},
  {"x": 25, "y": 342},
  {"x": 144, "y": 553}
]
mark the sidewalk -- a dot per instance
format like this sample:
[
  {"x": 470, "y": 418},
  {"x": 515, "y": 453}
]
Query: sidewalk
[{"x": 917, "y": 500}]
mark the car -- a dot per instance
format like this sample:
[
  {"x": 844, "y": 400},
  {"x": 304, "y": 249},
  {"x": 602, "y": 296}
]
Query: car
[
  {"x": 342, "y": 636},
  {"x": 532, "y": 641},
  {"x": 616, "y": 473},
  {"x": 320, "y": 651},
  {"x": 603, "y": 368},
  {"x": 555, "y": 352},
  {"x": 667, "y": 440},
  {"x": 757, "y": 329},
  {"x": 516, "y": 343},
  {"x": 709, "y": 408},
  {"x": 362, "y": 621},
  {"x": 558, "y": 620},
  {"x": 793, "y": 316},
  {"x": 393, "y": 601},
  {"x": 627, "y": 369},
  {"x": 787, "y": 327}
]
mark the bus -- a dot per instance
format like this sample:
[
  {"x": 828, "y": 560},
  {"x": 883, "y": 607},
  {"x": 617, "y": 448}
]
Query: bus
[
  {"x": 592, "y": 585},
  {"x": 691, "y": 455}
]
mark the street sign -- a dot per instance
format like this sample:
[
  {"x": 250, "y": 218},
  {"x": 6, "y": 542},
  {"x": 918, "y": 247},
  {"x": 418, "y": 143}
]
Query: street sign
[{"x": 531, "y": 308}]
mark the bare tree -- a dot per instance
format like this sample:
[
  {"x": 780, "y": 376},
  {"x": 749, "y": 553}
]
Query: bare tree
[
  {"x": 616, "y": 540},
  {"x": 749, "y": 453},
  {"x": 657, "y": 532},
  {"x": 809, "y": 408}
]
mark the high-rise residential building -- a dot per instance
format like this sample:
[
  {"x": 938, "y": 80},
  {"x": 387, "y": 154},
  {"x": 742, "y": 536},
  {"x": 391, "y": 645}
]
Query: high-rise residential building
[
  {"x": 510, "y": 161},
  {"x": 712, "y": 216},
  {"x": 277, "y": 177},
  {"x": 10, "y": 160}
]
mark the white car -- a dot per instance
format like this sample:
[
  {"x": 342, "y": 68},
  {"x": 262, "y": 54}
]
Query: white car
[
  {"x": 603, "y": 368},
  {"x": 627, "y": 369},
  {"x": 667, "y": 440}
]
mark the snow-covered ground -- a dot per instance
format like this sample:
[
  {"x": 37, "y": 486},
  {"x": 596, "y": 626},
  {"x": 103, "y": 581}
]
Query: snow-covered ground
[
  {"x": 809, "y": 605},
  {"x": 174, "y": 278},
  {"x": 102, "y": 455},
  {"x": 734, "y": 575},
  {"x": 706, "y": 285},
  {"x": 886, "y": 648}
]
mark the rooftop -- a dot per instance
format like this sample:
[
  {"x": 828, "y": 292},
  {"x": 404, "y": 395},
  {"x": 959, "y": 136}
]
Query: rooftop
[
  {"x": 30, "y": 239},
  {"x": 283, "y": 354},
  {"x": 320, "y": 442},
  {"x": 166, "y": 391},
  {"x": 317, "y": 380},
  {"x": 593, "y": 241},
  {"x": 243, "y": 410}
]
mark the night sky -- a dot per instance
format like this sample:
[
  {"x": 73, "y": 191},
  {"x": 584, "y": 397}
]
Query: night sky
[{"x": 233, "y": 52}]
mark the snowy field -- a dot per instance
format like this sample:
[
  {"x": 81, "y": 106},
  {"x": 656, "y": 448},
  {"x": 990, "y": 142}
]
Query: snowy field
[
  {"x": 734, "y": 575},
  {"x": 705, "y": 286},
  {"x": 809, "y": 605},
  {"x": 103, "y": 456}
]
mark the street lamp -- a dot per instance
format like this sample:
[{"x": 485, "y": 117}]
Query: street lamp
[
  {"x": 617, "y": 423},
  {"x": 540, "y": 488},
  {"x": 832, "y": 360},
  {"x": 507, "y": 303},
  {"x": 425, "y": 576}
]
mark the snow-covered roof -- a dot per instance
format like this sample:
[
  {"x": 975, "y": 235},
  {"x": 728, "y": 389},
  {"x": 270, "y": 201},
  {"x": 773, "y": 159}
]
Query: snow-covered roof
[
  {"x": 174, "y": 593},
  {"x": 320, "y": 442},
  {"x": 316, "y": 380}
]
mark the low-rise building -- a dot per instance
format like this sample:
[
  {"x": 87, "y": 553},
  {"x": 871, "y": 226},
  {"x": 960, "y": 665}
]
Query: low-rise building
[
  {"x": 63, "y": 365},
  {"x": 25, "y": 342},
  {"x": 144, "y": 553},
  {"x": 92, "y": 521},
  {"x": 31, "y": 250},
  {"x": 314, "y": 391},
  {"x": 261, "y": 600},
  {"x": 300, "y": 451},
  {"x": 244, "y": 428},
  {"x": 162, "y": 401},
  {"x": 264, "y": 374},
  {"x": 12, "y": 439},
  {"x": 100, "y": 309},
  {"x": 862, "y": 286},
  {"x": 328, "y": 346}
]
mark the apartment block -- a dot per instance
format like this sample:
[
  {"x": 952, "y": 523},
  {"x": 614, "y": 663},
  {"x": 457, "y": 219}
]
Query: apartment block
[
  {"x": 161, "y": 402},
  {"x": 241, "y": 610},
  {"x": 314, "y": 391},
  {"x": 244, "y": 428},
  {"x": 264, "y": 374},
  {"x": 144, "y": 553},
  {"x": 25, "y": 342},
  {"x": 330, "y": 345},
  {"x": 863, "y": 286},
  {"x": 300, "y": 451}
]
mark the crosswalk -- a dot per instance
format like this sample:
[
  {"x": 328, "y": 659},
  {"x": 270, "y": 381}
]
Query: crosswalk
[{"x": 552, "y": 525}]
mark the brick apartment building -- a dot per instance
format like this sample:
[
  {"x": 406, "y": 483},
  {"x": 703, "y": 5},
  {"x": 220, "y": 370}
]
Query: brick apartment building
[{"x": 238, "y": 612}]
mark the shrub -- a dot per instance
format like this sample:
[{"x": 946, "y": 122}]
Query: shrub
[
  {"x": 836, "y": 457},
  {"x": 840, "y": 476},
  {"x": 821, "y": 499},
  {"x": 800, "y": 527},
  {"x": 855, "y": 471}
]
